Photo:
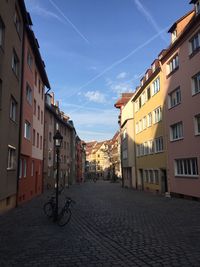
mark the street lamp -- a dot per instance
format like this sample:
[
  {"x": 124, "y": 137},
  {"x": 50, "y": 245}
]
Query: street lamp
[{"x": 57, "y": 141}]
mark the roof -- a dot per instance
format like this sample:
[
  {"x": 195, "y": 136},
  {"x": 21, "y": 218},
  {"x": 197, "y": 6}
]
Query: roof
[
  {"x": 173, "y": 27},
  {"x": 123, "y": 100}
]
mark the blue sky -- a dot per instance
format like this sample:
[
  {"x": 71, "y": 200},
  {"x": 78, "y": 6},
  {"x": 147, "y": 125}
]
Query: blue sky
[{"x": 96, "y": 49}]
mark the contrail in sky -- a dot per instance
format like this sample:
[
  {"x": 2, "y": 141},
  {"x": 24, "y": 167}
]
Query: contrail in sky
[
  {"x": 69, "y": 21},
  {"x": 149, "y": 17},
  {"x": 116, "y": 63}
]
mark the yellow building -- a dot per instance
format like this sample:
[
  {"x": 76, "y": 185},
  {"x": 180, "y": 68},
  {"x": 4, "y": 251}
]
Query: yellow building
[{"x": 149, "y": 131}]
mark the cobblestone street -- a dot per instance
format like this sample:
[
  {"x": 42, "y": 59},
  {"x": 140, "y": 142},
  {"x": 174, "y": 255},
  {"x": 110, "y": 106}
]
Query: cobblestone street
[{"x": 110, "y": 226}]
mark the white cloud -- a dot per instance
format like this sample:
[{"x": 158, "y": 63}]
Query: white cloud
[
  {"x": 122, "y": 75},
  {"x": 95, "y": 96}
]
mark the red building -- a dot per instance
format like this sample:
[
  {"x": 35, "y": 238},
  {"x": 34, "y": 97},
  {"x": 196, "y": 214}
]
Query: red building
[{"x": 32, "y": 118}]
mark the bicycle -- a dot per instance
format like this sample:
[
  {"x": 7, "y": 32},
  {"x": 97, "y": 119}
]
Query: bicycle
[{"x": 64, "y": 215}]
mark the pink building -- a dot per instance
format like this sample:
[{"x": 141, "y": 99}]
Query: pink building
[
  {"x": 32, "y": 119},
  {"x": 181, "y": 68}
]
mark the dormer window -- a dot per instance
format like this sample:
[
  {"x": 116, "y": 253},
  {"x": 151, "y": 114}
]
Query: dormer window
[
  {"x": 142, "y": 82},
  {"x": 197, "y": 7},
  {"x": 174, "y": 35},
  {"x": 153, "y": 67},
  {"x": 147, "y": 76}
]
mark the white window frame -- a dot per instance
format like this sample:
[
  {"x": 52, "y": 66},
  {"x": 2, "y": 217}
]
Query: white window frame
[
  {"x": 29, "y": 59},
  {"x": 13, "y": 109},
  {"x": 186, "y": 167},
  {"x": 174, "y": 98},
  {"x": 197, "y": 124},
  {"x": 159, "y": 144},
  {"x": 176, "y": 131},
  {"x": 157, "y": 115},
  {"x": 28, "y": 94},
  {"x": 15, "y": 63},
  {"x": 194, "y": 43},
  {"x": 149, "y": 119},
  {"x": 173, "y": 64},
  {"x": 144, "y": 123},
  {"x": 196, "y": 84},
  {"x": 20, "y": 168},
  {"x": 156, "y": 86},
  {"x": 27, "y": 130},
  {"x": 11, "y": 157}
]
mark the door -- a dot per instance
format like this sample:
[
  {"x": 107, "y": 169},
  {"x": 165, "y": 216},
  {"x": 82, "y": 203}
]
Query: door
[{"x": 164, "y": 184}]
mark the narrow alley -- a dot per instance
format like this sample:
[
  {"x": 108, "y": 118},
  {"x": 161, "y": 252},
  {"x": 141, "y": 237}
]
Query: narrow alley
[{"x": 110, "y": 226}]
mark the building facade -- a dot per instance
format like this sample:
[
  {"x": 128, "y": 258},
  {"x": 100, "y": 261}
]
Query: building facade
[
  {"x": 181, "y": 68},
  {"x": 12, "y": 21},
  {"x": 34, "y": 80},
  {"x": 149, "y": 101},
  {"x": 127, "y": 136}
]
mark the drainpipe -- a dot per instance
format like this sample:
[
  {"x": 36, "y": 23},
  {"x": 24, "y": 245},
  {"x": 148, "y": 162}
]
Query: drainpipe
[{"x": 20, "y": 113}]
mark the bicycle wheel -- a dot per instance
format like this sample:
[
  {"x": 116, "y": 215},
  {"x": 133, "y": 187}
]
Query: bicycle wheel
[
  {"x": 48, "y": 209},
  {"x": 64, "y": 217}
]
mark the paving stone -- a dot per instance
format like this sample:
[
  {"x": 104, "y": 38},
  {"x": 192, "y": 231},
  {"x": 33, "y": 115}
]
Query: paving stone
[{"x": 110, "y": 226}]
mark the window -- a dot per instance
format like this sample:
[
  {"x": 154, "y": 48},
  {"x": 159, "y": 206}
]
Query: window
[
  {"x": 156, "y": 86},
  {"x": 124, "y": 134},
  {"x": 13, "y": 109},
  {"x": 138, "y": 150},
  {"x": 35, "y": 78},
  {"x": 156, "y": 175},
  {"x": 32, "y": 168},
  {"x": 157, "y": 115},
  {"x": 143, "y": 98},
  {"x": 146, "y": 148},
  {"x": 194, "y": 43},
  {"x": 174, "y": 98},
  {"x": 196, "y": 84},
  {"x": 159, "y": 144},
  {"x": 17, "y": 21},
  {"x": 197, "y": 7},
  {"x": 33, "y": 137},
  {"x": 186, "y": 167},
  {"x": 39, "y": 86},
  {"x": 174, "y": 35},
  {"x": 125, "y": 154},
  {"x": 140, "y": 125},
  {"x": 41, "y": 117},
  {"x": 42, "y": 92},
  {"x": 151, "y": 180},
  {"x": 29, "y": 59},
  {"x": 153, "y": 67},
  {"x": 50, "y": 136},
  {"x": 25, "y": 168},
  {"x": 173, "y": 64},
  {"x": 2, "y": 33},
  {"x": 141, "y": 149},
  {"x": 149, "y": 119},
  {"x": 151, "y": 146},
  {"x": 148, "y": 93},
  {"x": 37, "y": 140},
  {"x": 147, "y": 76},
  {"x": 146, "y": 176},
  {"x": 27, "y": 130},
  {"x": 40, "y": 142},
  {"x": 38, "y": 112},
  {"x": 29, "y": 94},
  {"x": 11, "y": 157},
  {"x": 197, "y": 124},
  {"x": 144, "y": 121},
  {"x": 20, "y": 168},
  {"x": 136, "y": 105},
  {"x": 140, "y": 102},
  {"x": 176, "y": 131},
  {"x": 15, "y": 63}
]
